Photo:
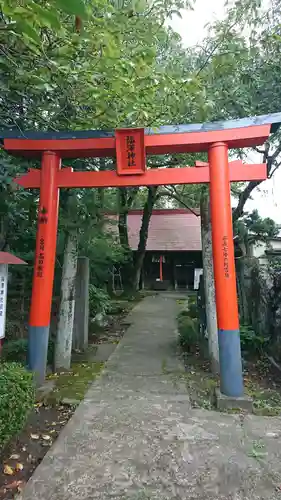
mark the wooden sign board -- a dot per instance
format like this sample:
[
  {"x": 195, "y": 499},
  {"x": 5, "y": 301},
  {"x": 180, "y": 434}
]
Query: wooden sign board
[
  {"x": 5, "y": 259},
  {"x": 130, "y": 151}
]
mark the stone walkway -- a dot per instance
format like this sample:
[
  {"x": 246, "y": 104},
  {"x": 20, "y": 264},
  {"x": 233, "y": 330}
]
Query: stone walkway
[{"x": 135, "y": 437}]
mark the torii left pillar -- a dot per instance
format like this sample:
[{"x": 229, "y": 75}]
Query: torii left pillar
[{"x": 44, "y": 264}]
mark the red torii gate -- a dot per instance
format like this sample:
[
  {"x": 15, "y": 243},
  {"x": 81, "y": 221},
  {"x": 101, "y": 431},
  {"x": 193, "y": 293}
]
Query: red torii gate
[{"x": 130, "y": 146}]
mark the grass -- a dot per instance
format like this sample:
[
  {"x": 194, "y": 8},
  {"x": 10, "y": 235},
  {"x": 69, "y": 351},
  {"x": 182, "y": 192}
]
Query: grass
[
  {"x": 258, "y": 450},
  {"x": 201, "y": 383},
  {"x": 267, "y": 402},
  {"x": 182, "y": 302},
  {"x": 74, "y": 383}
]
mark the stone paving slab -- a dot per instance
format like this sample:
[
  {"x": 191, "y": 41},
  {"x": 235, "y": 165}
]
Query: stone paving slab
[{"x": 135, "y": 436}]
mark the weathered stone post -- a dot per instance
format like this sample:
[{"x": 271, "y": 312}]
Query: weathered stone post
[{"x": 81, "y": 311}]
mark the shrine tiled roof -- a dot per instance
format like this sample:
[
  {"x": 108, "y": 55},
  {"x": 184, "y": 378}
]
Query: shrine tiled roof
[{"x": 175, "y": 230}]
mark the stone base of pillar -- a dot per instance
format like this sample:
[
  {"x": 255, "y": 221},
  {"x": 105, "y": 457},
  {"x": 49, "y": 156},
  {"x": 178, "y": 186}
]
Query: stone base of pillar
[{"x": 231, "y": 403}]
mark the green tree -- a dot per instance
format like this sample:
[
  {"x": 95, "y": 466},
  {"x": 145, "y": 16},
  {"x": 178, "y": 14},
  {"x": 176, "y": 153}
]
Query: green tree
[{"x": 118, "y": 70}]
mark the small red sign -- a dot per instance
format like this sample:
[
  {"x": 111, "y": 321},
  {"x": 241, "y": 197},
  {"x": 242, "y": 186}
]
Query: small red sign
[{"x": 130, "y": 151}]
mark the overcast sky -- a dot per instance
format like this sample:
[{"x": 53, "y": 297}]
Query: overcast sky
[{"x": 192, "y": 28}]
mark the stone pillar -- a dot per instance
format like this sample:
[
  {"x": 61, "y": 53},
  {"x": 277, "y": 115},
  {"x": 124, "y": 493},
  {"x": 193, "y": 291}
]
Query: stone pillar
[{"x": 81, "y": 311}]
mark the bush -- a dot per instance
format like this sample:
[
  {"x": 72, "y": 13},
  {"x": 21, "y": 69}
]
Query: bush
[
  {"x": 118, "y": 307},
  {"x": 99, "y": 301},
  {"x": 184, "y": 313},
  {"x": 193, "y": 310},
  {"x": 17, "y": 397},
  {"x": 190, "y": 310},
  {"x": 16, "y": 350},
  {"x": 192, "y": 299},
  {"x": 252, "y": 343},
  {"x": 188, "y": 333}
]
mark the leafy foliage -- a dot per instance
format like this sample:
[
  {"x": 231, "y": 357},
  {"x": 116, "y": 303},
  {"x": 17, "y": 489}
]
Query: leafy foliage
[
  {"x": 15, "y": 350},
  {"x": 122, "y": 68},
  {"x": 251, "y": 342},
  {"x": 25, "y": 20},
  {"x": 193, "y": 310},
  {"x": 17, "y": 396},
  {"x": 99, "y": 301},
  {"x": 239, "y": 62},
  {"x": 260, "y": 332},
  {"x": 188, "y": 333},
  {"x": 251, "y": 228}
]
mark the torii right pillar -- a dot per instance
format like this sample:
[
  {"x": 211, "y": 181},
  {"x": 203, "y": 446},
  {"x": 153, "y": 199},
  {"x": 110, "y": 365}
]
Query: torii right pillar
[{"x": 231, "y": 377}]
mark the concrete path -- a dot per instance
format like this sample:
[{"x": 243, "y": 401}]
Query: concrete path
[{"x": 135, "y": 437}]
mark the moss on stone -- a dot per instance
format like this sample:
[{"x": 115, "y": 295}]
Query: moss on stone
[{"x": 73, "y": 384}]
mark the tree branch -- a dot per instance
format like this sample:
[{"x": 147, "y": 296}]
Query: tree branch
[
  {"x": 260, "y": 151},
  {"x": 177, "y": 198},
  {"x": 245, "y": 195},
  {"x": 274, "y": 170},
  {"x": 133, "y": 193},
  {"x": 272, "y": 158},
  {"x": 216, "y": 46}
]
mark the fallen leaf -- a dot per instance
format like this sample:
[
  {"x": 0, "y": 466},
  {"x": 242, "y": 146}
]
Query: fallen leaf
[
  {"x": 8, "y": 470},
  {"x": 34, "y": 436},
  {"x": 47, "y": 443},
  {"x": 15, "y": 456},
  {"x": 18, "y": 496},
  {"x": 19, "y": 467},
  {"x": 14, "y": 484},
  {"x": 272, "y": 434},
  {"x": 46, "y": 437}
]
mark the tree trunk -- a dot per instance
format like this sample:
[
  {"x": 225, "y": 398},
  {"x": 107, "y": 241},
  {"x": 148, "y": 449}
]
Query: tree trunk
[
  {"x": 67, "y": 303},
  {"x": 126, "y": 198},
  {"x": 101, "y": 191},
  {"x": 209, "y": 282},
  {"x": 243, "y": 300},
  {"x": 140, "y": 254},
  {"x": 123, "y": 229},
  {"x": 127, "y": 268},
  {"x": 81, "y": 312}
]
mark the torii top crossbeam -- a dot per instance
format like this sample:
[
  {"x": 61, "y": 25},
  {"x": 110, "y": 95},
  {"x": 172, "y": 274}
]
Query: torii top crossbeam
[{"x": 169, "y": 139}]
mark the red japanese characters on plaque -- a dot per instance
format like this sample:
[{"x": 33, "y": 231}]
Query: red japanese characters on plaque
[{"x": 130, "y": 151}]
